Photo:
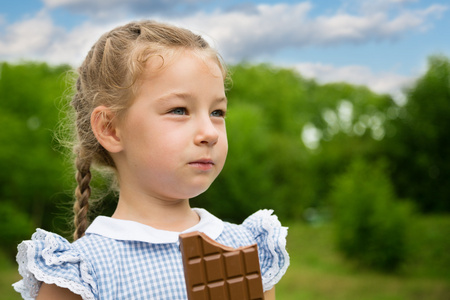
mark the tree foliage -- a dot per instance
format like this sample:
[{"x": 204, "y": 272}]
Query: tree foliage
[
  {"x": 420, "y": 149},
  {"x": 32, "y": 181},
  {"x": 289, "y": 138},
  {"x": 371, "y": 223}
]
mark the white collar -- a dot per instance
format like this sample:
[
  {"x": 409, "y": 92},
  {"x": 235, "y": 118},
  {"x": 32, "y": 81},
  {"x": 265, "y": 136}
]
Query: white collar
[{"x": 133, "y": 231}]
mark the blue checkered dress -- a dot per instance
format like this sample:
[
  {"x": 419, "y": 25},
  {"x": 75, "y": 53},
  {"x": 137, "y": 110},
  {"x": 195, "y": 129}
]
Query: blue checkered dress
[{"x": 119, "y": 259}]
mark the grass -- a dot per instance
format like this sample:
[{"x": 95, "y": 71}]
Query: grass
[
  {"x": 8, "y": 275},
  {"x": 317, "y": 270}
]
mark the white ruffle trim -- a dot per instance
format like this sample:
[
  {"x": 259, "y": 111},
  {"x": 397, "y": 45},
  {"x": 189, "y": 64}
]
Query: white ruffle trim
[
  {"x": 34, "y": 276},
  {"x": 263, "y": 222}
]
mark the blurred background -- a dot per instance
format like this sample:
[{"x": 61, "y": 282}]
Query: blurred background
[{"x": 339, "y": 116}]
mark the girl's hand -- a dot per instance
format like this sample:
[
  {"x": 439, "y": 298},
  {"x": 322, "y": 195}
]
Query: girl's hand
[{"x": 270, "y": 295}]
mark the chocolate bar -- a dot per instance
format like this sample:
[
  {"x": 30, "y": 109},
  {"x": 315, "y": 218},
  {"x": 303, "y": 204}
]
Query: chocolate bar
[{"x": 215, "y": 271}]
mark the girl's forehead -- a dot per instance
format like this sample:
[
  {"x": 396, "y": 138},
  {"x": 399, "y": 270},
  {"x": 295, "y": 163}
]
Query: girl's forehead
[
  {"x": 158, "y": 63},
  {"x": 180, "y": 72}
]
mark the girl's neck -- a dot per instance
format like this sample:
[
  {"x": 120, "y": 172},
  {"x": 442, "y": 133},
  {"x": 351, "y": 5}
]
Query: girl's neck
[{"x": 172, "y": 216}]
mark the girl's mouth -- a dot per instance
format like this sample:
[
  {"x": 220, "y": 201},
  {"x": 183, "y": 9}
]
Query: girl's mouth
[{"x": 202, "y": 164}]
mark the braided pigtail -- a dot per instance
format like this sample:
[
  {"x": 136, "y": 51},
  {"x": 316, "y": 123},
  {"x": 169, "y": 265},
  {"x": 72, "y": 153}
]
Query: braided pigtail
[
  {"x": 82, "y": 194},
  {"x": 84, "y": 155}
]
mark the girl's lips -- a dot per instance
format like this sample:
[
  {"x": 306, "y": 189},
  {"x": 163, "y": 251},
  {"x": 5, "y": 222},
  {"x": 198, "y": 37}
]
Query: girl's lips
[{"x": 202, "y": 164}]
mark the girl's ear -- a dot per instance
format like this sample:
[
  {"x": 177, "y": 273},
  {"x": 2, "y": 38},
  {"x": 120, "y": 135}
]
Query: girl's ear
[{"x": 104, "y": 126}]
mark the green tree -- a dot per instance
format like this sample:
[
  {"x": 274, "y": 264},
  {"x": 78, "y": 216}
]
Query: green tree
[
  {"x": 33, "y": 180},
  {"x": 15, "y": 226},
  {"x": 288, "y": 138},
  {"x": 266, "y": 160},
  {"x": 420, "y": 149},
  {"x": 371, "y": 223},
  {"x": 270, "y": 164}
]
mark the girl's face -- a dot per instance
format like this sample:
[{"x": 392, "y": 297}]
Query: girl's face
[{"x": 173, "y": 135}]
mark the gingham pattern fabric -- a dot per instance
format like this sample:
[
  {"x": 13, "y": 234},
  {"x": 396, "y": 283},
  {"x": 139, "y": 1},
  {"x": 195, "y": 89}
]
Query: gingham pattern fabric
[{"x": 145, "y": 264}]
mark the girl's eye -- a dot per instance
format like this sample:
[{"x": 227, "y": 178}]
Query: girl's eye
[
  {"x": 218, "y": 113},
  {"x": 179, "y": 111}
]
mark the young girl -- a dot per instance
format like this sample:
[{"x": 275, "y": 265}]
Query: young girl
[{"x": 150, "y": 105}]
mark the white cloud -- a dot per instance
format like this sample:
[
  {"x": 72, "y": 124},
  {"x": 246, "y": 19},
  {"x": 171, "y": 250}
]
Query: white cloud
[
  {"x": 274, "y": 27},
  {"x": 29, "y": 38},
  {"x": 384, "y": 82},
  {"x": 39, "y": 38},
  {"x": 74, "y": 45},
  {"x": 240, "y": 34}
]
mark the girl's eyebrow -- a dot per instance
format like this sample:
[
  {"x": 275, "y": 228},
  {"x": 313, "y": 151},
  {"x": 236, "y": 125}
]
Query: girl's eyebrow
[
  {"x": 187, "y": 96},
  {"x": 168, "y": 96},
  {"x": 221, "y": 99}
]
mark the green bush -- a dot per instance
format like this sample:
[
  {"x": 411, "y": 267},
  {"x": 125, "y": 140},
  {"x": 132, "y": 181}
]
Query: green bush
[
  {"x": 15, "y": 226},
  {"x": 371, "y": 224}
]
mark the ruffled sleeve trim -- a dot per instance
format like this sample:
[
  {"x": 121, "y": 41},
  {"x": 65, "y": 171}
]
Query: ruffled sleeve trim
[
  {"x": 270, "y": 237},
  {"x": 52, "y": 259}
]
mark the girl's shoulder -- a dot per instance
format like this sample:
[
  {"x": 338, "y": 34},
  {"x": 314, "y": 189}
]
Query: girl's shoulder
[
  {"x": 50, "y": 258},
  {"x": 264, "y": 229}
]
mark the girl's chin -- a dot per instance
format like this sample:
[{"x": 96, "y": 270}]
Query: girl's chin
[{"x": 196, "y": 192}]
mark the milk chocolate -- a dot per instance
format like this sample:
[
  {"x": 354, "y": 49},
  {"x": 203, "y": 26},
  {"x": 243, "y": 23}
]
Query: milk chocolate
[{"x": 215, "y": 272}]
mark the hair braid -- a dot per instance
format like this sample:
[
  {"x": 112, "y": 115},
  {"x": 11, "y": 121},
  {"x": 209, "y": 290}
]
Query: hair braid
[{"x": 82, "y": 194}]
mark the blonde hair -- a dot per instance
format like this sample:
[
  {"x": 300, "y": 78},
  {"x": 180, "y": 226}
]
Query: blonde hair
[{"x": 108, "y": 77}]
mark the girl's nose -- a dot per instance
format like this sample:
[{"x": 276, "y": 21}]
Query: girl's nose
[{"x": 207, "y": 133}]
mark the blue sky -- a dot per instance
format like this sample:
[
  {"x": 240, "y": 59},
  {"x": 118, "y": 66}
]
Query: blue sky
[{"x": 383, "y": 44}]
